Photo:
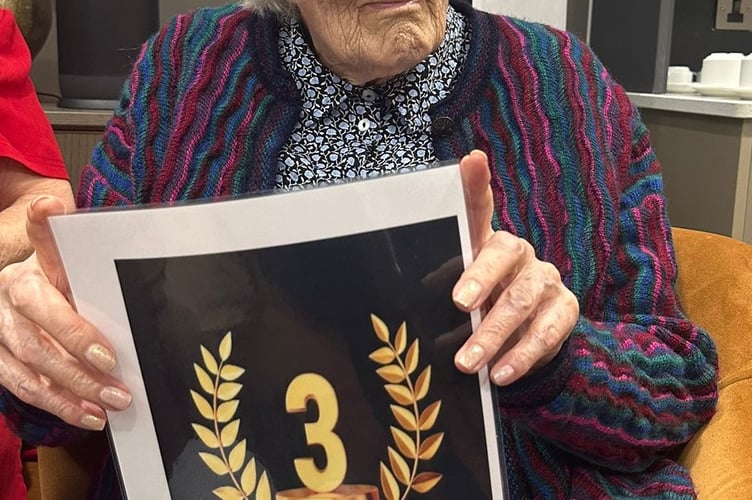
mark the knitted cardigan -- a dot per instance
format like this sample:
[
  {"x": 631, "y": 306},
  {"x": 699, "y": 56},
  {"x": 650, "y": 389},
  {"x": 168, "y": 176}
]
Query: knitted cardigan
[{"x": 208, "y": 108}]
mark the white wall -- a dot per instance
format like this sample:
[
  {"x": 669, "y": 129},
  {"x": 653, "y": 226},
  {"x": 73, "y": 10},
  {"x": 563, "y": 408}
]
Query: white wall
[{"x": 553, "y": 12}]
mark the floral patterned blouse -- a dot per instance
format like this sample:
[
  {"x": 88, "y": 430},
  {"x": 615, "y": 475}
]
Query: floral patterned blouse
[{"x": 350, "y": 132}]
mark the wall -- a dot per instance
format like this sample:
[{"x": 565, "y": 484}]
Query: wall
[
  {"x": 44, "y": 70},
  {"x": 553, "y": 12},
  {"x": 694, "y": 35}
]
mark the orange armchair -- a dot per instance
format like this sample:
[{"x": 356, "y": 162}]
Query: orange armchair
[{"x": 715, "y": 288}]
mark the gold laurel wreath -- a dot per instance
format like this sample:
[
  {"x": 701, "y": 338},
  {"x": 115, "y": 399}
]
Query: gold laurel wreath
[
  {"x": 397, "y": 371},
  {"x": 218, "y": 381}
]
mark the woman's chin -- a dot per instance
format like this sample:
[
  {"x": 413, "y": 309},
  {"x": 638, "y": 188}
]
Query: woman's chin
[{"x": 396, "y": 58}]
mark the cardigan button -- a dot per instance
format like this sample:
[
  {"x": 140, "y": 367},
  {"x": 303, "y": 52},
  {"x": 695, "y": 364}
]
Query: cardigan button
[{"x": 442, "y": 127}]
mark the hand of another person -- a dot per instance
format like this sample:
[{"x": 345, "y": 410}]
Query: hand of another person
[
  {"x": 50, "y": 357},
  {"x": 530, "y": 312}
]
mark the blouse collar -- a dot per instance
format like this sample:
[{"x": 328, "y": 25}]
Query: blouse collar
[{"x": 410, "y": 94}]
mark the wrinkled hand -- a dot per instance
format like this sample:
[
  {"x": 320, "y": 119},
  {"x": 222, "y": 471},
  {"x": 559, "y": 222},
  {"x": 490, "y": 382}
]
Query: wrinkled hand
[
  {"x": 530, "y": 312},
  {"x": 50, "y": 357}
]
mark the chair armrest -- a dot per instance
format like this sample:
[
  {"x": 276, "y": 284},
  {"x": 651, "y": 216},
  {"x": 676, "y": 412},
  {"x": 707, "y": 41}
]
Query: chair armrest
[
  {"x": 718, "y": 457},
  {"x": 66, "y": 472},
  {"x": 715, "y": 286}
]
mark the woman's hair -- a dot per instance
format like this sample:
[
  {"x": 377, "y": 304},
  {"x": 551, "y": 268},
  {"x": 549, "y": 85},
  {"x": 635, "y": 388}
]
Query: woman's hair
[{"x": 281, "y": 8}]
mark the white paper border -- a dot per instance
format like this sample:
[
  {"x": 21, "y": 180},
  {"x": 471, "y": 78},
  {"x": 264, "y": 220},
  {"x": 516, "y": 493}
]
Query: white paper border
[{"x": 209, "y": 228}]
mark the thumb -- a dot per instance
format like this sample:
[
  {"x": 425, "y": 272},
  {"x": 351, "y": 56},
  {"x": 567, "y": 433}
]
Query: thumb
[
  {"x": 476, "y": 178},
  {"x": 40, "y": 236}
]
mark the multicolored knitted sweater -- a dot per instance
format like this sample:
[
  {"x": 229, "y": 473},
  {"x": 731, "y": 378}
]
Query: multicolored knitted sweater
[{"x": 208, "y": 108}]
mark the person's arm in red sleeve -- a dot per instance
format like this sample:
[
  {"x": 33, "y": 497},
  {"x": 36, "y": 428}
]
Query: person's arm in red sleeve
[{"x": 30, "y": 161}]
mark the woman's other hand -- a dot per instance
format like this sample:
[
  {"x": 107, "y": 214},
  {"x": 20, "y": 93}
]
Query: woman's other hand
[
  {"x": 530, "y": 313},
  {"x": 50, "y": 357}
]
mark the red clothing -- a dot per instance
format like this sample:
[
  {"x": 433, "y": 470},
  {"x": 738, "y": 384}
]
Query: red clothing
[
  {"x": 26, "y": 137},
  {"x": 12, "y": 485},
  {"x": 25, "y": 133}
]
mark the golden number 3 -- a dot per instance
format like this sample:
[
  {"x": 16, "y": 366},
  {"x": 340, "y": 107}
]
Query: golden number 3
[{"x": 306, "y": 387}]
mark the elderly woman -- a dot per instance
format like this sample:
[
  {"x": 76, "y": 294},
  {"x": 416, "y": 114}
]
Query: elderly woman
[{"x": 599, "y": 373}]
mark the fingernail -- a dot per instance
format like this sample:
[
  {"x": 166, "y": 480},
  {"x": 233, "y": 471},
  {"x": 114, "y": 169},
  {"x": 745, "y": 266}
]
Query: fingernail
[
  {"x": 468, "y": 294},
  {"x": 100, "y": 357},
  {"x": 92, "y": 422},
  {"x": 38, "y": 199},
  {"x": 117, "y": 398},
  {"x": 502, "y": 375},
  {"x": 479, "y": 152},
  {"x": 472, "y": 357}
]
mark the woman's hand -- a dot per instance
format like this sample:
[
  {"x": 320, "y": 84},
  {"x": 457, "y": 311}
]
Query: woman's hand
[
  {"x": 530, "y": 312},
  {"x": 50, "y": 357}
]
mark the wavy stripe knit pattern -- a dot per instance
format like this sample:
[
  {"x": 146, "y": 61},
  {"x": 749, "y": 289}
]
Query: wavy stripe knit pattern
[{"x": 208, "y": 108}]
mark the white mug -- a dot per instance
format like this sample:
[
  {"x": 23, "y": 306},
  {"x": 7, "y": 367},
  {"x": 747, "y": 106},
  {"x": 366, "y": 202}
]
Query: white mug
[
  {"x": 679, "y": 75},
  {"x": 722, "y": 69}
]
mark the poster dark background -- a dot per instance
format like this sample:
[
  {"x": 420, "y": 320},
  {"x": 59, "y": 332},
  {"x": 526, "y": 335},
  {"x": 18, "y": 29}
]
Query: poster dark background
[{"x": 306, "y": 308}]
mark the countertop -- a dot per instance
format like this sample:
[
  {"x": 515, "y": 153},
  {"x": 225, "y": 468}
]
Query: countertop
[{"x": 694, "y": 103}]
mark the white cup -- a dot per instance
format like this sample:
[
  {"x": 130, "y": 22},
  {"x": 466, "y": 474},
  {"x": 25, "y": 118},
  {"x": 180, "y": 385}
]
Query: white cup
[
  {"x": 746, "y": 74},
  {"x": 679, "y": 75},
  {"x": 722, "y": 69}
]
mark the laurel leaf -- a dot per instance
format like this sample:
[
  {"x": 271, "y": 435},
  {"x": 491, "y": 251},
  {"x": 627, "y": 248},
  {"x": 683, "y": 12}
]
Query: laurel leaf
[
  {"x": 399, "y": 467},
  {"x": 429, "y": 415},
  {"x": 230, "y": 433},
  {"x": 215, "y": 463},
  {"x": 391, "y": 373},
  {"x": 209, "y": 362},
  {"x": 424, "y": 482},
  {"x": 382, "y": 332},
  {"x": 227, "y": 410},
  {"x": 382, "y": 356},
  {"x": 404, "y": 417},
  {"x": 411, "y": 360},
  {"x": 237, "y": 456},
  {"x": 400, "y": 340},
  {"x": 423, "y": 384},
  {"x": 204, "y": 379},
  {"x": 231, "y": 372},
  {"x": 228, "y": 493},
  {"x": 228, "y": 390},
  {"x": 264, "y": 490},
  {"x": 389, "y": 485},
  {"x": 248, "y": 478},
  {"x": 202, "y": 405},
  {"x": 225, "y": 347},
  {"x": 400, "y": 394},
  {"x": 430, "y": 446},
  {"x": 206, "y": 436},
  {"x": 404, "y": 443}
]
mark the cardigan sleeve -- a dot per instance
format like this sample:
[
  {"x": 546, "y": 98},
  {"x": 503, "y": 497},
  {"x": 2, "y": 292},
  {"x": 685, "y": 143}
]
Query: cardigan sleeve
[
  {"x": 173, "y": 132},
  {"x": 638, "y": 378},
  {"x": 107, "y": 180}
]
